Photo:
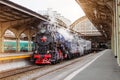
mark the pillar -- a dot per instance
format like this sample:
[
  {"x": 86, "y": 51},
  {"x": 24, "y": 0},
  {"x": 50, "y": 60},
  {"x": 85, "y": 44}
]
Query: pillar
[
  {"x": 112, "y": 37},
  {"x": 29, "y": 43},
  {"x": 115, "y": 40},
  {"x": 118, "y": 30},
  {"x": 114, "y": 32},
  {"x": 1, "y": 40},
  {"x": 18, "y": 44},
  {"x": 1, "y": 44},
  {"x": 112, "y": 41}
]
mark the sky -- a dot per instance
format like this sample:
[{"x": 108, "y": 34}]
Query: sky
[{"x": 67, "y": 8}]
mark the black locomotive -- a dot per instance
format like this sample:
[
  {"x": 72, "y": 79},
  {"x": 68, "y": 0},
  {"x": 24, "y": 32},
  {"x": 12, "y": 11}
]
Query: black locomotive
[{"x": 52, "y": 47}]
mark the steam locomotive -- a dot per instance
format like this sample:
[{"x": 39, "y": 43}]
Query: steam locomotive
[{"x": 52, "y": 45}]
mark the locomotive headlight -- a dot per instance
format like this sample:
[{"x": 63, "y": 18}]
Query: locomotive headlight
[
  {"x": 48, "y": 52},
  {"x": 36, "y": 52},
  {"x": 42, "y": 30}
]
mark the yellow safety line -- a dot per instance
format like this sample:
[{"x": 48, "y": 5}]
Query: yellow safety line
[{"x": 14, "y": 57}]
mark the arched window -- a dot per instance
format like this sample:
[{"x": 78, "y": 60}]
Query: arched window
[
  {"x": 9, "y": 41},
  {"x": 9, "y": 34}
]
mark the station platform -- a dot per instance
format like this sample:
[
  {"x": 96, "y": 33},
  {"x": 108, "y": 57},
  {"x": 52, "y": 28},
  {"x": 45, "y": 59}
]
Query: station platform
[
  {"x": 103, "y": 68},
  {"x": 9, "y": 56},
  {"x": 14, "y": 54},
  {"x": 10, "y": 61}
]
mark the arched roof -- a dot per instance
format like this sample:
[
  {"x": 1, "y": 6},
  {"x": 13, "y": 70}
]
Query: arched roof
[{"x": 100, "y": 13}]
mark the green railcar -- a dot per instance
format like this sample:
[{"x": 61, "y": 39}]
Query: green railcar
[{"x": 10, "y": 46}]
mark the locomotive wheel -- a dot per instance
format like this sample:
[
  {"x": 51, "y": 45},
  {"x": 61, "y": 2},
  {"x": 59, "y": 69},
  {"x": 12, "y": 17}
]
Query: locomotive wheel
[
  {"x": 78, "y": 54},
  {"x": 32, "y": 60},
  {"x": 54, "y": 62},
  {"x": 68, "y": 57}
]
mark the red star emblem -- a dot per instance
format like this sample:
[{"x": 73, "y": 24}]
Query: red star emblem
[{"x": 43, "y": 39}]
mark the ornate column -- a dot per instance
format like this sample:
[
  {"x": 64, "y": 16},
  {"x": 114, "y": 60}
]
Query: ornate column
[
  {"x": 114, "y": 31},
  {"x": 118, "y": 29},
  {"x": 1, "y": 40},
  {"x": 29, "y": 43},
  {"x": 1, "y": 44},
  {"x": 18, "y": 44}
]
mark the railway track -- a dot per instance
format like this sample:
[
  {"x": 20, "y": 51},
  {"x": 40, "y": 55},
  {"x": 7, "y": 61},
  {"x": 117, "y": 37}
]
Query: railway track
[
  {"x": 18, "y": 71},
  {"x": 45, "y": 70},
  {"x": 59, "y": 68},
  {"x": 83, "y": 60}
]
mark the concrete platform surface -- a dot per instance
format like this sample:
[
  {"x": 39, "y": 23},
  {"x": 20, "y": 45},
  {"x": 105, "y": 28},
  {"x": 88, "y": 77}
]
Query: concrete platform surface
[
  {"x": 104, "y": 68},
  {"x": 14, "y": 54}
]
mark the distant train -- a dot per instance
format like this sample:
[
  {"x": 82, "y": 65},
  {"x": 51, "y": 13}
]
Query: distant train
[
  {"x": 99, "y": 46},
  {"x": 55, "y": 45}
]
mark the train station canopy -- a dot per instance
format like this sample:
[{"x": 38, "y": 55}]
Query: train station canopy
[
  {"x": 100, "y": 13},
  {"x": 85, "y": 27},
  {"x": 18, "y": 19}
]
